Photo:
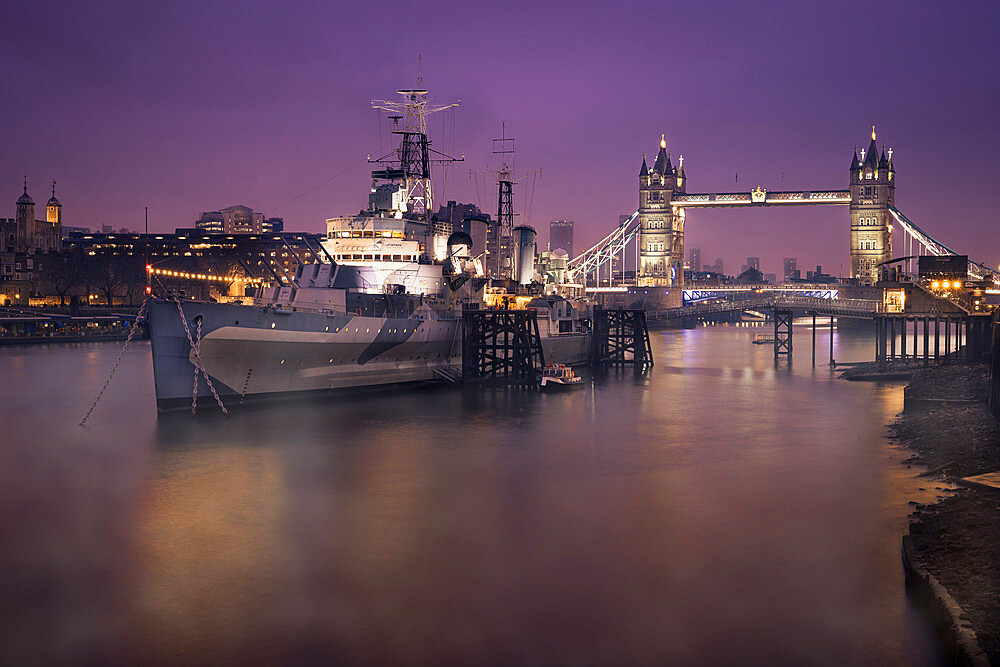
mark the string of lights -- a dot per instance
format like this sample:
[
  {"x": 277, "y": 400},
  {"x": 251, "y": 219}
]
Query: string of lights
[{"x": 203, "y": 276}]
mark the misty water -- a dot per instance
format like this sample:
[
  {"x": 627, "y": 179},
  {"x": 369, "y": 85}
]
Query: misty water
[{"x": 718, "y": 510}]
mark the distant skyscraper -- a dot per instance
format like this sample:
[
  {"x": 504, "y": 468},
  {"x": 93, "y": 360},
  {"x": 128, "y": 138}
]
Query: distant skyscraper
[
  {"x": 718, "y": 266},
  {"x": 561, "y": 236},
  {"x": 789, "y": 265},
  {"x": 753, "y": 263},
  {"x": 694, "y": 259}
]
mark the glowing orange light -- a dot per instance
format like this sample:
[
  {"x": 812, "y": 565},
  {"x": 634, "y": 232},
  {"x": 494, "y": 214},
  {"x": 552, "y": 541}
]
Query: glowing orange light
[
  {"x": 873, "y": 133},
  {"x": 663, "y": 141}
]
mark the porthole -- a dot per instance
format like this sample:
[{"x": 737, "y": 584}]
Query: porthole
[
  {"x": 282, "y": 362},
  {"x": 328, "y": 328},
  {"x": 273, "y": 325}
]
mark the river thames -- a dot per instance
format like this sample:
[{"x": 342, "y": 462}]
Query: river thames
[{"x": 718, "y": 510}]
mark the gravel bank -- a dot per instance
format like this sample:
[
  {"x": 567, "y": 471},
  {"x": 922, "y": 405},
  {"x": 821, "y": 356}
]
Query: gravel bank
[{"x": 957, "y": 539}]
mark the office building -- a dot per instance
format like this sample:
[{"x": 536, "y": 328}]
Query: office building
[
  {"x": 238, "y": 219},
  {"x": 789, "y": 266},
  {"x": 561, "y": 236},
  {"x": 694, "y": 259}
]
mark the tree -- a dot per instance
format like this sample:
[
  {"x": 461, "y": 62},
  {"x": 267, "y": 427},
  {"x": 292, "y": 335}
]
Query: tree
[
  {"x": 222, "y": 267},
  {"x": 64, "y": 272},
  {"x": 132, "y": 271},
  {"x": 109, "y": 274}
]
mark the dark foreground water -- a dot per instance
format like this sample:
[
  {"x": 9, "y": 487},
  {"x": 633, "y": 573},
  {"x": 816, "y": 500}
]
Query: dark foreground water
[{"x": 719, "y": 510}]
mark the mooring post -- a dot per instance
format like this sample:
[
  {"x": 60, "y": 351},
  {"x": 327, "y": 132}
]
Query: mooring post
[
  {"x": 927, "y": 324},
  {"x": 814, "y": 340},
  {"x": 892, "y": 339},
  {"x": 883, "y": 344},
  {"x": 831, "y": 339},
  {"x": 876, "y": 338},
  {"x": 902, "y": 340},
  {"x": 937, "y": 339},
  {"x": 947, "y": 338}
]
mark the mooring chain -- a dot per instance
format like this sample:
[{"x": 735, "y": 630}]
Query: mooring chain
[
  {"x": 197, "y": 351},
  {"x": 121, "y": 354},
  {"x": 197, "y": 357}
]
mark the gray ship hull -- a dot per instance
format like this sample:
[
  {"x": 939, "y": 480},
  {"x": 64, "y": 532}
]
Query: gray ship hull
[{"x": 260, "y": 352}]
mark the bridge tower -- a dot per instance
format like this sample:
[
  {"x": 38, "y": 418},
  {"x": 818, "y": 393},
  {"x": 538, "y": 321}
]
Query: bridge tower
[
  {"x": 873, "y": 191},
  {"x": 661, "y": 226}
]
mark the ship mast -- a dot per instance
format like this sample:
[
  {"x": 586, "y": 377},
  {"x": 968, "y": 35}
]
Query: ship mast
[{"x": 410, "y": 163}]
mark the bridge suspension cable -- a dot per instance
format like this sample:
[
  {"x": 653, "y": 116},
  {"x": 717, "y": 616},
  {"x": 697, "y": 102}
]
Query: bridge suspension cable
[
  {"x": 604, "y": 252},
  {"x": 934, "y": 247}
]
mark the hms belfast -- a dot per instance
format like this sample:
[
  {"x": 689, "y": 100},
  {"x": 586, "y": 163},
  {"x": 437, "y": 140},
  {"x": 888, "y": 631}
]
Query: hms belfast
[{"x": 383, "y": 309}]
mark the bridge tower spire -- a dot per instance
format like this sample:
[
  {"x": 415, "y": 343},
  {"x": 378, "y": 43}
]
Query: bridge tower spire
[
  {"x": 873, "y": 191},
  {"x": 661, "y": 226}
]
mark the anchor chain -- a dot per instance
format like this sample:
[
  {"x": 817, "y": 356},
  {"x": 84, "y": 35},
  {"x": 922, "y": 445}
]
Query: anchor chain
[
  {"x": 199, "y": 364},
  {"x": 197, "y": 351},
  {"x": 121, "y": 354}
]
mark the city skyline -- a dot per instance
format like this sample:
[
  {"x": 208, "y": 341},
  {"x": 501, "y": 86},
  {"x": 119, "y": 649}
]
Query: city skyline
[{"x": 146, "y": 119}]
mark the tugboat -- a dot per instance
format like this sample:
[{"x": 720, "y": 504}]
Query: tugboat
[{"x": 558, "y": 376}]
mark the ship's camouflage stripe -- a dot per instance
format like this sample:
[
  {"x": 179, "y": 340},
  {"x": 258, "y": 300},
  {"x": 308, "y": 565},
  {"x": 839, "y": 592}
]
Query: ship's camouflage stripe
[{"x": 386, "y": 339}]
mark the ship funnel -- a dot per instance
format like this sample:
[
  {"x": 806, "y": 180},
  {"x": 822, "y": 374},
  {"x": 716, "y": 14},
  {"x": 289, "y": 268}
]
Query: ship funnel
[{"x": 524, "y": 254}]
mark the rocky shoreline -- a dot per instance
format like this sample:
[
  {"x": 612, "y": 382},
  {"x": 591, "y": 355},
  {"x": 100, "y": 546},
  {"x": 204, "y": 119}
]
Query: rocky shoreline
[{"x": 953, "y": 550}]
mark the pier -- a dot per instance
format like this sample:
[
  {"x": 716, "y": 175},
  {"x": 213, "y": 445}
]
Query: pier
[
  {"x": 621, "y": 338},
  {"x": 502, "y": 346}
]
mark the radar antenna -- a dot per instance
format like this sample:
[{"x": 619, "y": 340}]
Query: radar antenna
[
  {"x": 500, "y": 236},
  {"x": 410, "y": 163}
]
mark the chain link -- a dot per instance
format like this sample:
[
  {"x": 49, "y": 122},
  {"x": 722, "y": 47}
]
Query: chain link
[
  {"x": 197, "y": 351},
  {"x": 121, "y": 354},
  {"x": 197, "y": 357}
]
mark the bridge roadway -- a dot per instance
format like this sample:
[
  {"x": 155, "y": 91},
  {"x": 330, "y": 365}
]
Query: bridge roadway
[{"x": 859, "y": 308}]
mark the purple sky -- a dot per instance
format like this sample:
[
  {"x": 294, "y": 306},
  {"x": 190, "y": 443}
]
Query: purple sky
[{"x": 192, "y": 106}]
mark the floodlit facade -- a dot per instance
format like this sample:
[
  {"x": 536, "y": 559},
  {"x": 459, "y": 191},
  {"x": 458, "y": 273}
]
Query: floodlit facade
[
  {"x": 661, "y": 235},
  {"x": 238, "y": 219},
  {"x": 873, "y": 191}
]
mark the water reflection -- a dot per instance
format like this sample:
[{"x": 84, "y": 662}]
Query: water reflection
[{"x": 718, "y": 509}]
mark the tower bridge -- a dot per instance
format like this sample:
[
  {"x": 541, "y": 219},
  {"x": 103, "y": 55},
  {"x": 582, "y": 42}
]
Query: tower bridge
[{"x": 656, "y": 229}]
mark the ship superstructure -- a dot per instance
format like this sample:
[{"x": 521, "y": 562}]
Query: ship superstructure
[{"x": 384, "y": 308}]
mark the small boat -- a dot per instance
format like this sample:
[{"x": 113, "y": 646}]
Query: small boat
[
  {"x": 559, "y": 376},
  {"x": 764, "y": 339}
]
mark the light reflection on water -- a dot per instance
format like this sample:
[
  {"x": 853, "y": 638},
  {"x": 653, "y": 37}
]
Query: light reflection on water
[{"x": 720, "y": 509}]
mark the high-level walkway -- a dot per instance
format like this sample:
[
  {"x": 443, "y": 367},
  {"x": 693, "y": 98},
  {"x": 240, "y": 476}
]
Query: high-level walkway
[{"x": 859, "y": 308}]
